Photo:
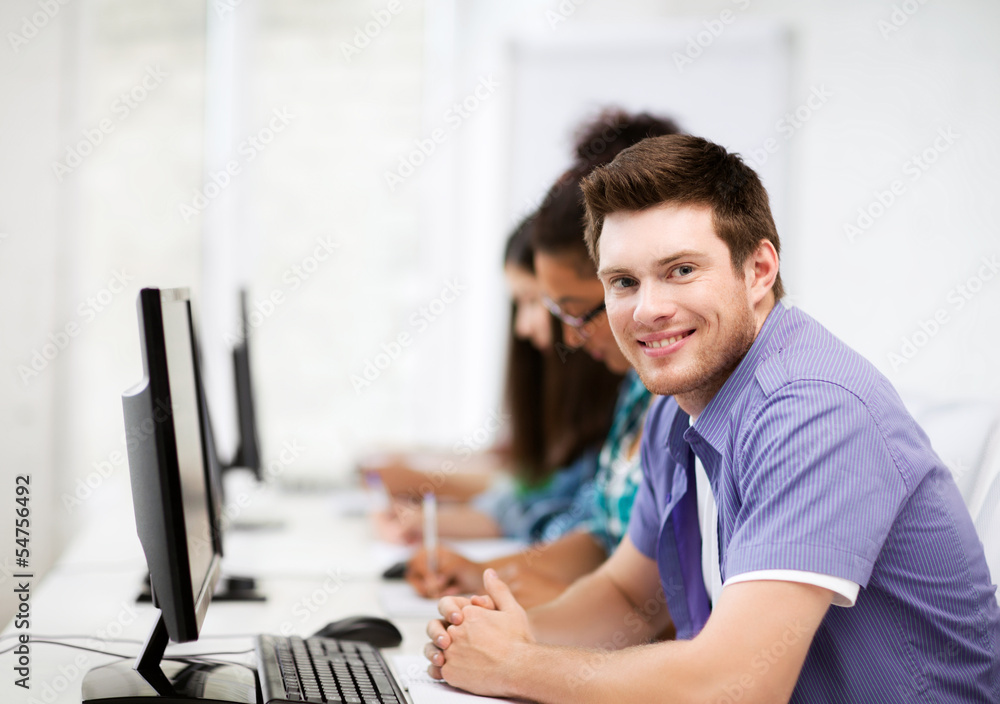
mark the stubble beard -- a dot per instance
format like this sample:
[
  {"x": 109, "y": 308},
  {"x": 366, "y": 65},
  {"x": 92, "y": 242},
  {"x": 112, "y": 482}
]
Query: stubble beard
[{"x": 707, "y": 372}]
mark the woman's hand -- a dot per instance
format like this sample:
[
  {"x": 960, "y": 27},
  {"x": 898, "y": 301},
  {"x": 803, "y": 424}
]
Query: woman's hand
[
  {"x": 454, "y": 574},
  {"x": 401, "y": 523}
]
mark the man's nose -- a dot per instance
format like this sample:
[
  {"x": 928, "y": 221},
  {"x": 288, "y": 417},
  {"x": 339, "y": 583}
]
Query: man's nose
[{"x": 654, "y": 303}]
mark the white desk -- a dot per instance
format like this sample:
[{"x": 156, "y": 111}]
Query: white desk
[{"x": 318, "y": 567}]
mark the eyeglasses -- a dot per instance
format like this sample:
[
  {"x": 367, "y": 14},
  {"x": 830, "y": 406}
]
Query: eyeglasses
[{"x": 577, "y": 322}]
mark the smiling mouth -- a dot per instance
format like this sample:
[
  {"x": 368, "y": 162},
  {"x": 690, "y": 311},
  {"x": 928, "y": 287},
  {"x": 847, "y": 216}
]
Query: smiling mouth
[{"x": 666, "y": 342}]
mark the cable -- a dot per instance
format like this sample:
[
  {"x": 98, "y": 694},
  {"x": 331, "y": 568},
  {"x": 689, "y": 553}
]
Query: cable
[
  {"x": 192, "y": 656},
  {"x": 72, "y": 637},
  {"x": 223, "y": 636},
  {"x": 100, "y": 566},
  {"x": 70, "y": 645}
]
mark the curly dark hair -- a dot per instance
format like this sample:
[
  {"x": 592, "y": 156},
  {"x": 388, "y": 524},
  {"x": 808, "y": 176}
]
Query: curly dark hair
[{"x": 559, "y": 225}]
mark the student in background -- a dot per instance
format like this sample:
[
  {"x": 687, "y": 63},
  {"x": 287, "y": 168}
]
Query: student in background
[
  {"x": 559, "y": 410},
  {"x": 575, "y": 296}
]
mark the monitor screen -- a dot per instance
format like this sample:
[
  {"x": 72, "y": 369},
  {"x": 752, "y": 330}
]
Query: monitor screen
[
  {"x": 170, "y": 484},
  {"x": 187, "y": 435}
]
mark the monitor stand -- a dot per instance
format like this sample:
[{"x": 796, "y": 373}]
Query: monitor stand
[
  {"x": 258, "y": 525},
  {"x": 232, "y": 588},
  {"x": 149, "y": 680}
]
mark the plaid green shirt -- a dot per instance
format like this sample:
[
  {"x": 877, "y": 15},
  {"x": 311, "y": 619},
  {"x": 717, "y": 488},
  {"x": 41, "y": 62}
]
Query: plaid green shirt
[{"x": 618, "y": 477}]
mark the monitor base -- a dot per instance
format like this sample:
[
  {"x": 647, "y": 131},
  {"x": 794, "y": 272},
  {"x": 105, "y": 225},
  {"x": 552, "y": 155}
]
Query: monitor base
[
  {"x": 234, "y": 588},
  {"x": 174, "y": 682}
]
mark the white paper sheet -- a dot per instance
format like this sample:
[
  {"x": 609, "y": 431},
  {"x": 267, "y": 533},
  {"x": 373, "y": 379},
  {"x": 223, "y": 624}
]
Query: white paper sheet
[
  {"x": 399, "y": 600},
  {"x": 411, "y": 670}
]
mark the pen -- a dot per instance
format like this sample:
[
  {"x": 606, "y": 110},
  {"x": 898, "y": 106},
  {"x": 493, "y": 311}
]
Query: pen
[
  {"x": 378, "y": 495},
  {"x": 430, "y": 531}
]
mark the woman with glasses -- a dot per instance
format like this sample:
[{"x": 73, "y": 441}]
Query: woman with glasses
[
  {"x": 559, "y": 411},
  {"x": 575, "y": 296}
]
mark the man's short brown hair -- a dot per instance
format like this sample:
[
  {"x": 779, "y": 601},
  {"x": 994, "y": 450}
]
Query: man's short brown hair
[{"x": 684, "y": 170}]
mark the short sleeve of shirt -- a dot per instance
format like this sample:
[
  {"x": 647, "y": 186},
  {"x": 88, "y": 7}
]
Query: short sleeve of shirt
[
  {"x": 642, "y": 527},
  {"x": 818, "y": 487}
]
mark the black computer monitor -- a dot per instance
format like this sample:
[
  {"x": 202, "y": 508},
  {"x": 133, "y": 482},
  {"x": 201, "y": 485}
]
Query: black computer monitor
[
  {"x": 248, "y": 451},
  {"x": 230, "y": 587},
  {"x": 174, "y": 515}
]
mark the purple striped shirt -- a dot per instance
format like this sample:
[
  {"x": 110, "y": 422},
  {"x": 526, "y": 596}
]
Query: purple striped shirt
[{"x": 816, "y": 465}]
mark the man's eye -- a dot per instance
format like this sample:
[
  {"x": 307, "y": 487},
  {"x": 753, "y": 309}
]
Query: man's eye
[
  {"x": 684, "y": 270},
  {"x": 623, "y": 282}
]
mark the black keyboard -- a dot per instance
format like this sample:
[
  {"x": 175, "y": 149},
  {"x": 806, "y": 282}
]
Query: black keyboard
[{"x": 324, "y": 670}]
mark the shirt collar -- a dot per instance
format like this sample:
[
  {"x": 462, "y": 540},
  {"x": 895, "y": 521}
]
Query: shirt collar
[
  {"x": 675, "y": 443},
  {"x": 713, "y": 422}
]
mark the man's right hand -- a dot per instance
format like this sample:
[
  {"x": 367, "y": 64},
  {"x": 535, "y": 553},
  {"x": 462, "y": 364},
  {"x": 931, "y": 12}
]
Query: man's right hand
[{"x": 454, "y": 575}]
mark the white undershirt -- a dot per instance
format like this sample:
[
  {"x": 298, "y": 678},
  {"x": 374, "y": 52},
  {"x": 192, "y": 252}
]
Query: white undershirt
[
  {"x": 708, "y": 522},
  {"x": 845, "y": 592}
]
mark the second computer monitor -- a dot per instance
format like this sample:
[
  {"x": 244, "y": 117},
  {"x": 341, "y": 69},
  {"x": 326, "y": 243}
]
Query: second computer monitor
[{"x": 248, "y": 452}]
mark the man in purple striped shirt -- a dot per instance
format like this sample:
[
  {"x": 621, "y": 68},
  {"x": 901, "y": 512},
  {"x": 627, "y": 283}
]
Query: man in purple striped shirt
[{"x": 794, "y": 525}]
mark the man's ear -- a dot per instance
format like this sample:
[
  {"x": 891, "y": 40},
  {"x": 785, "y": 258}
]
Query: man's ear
[{"x": 760, "y": 270}]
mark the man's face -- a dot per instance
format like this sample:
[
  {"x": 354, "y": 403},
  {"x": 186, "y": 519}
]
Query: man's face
[
  {"x": 681, "y": 315},
  {"x": 576, "y": 294}
]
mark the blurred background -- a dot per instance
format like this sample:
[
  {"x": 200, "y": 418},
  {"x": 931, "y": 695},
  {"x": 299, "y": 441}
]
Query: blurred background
[{"x": 357, "y": 165}]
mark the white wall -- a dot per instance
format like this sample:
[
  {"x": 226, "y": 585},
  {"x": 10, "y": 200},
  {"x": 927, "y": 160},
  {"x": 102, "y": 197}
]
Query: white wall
[
  {"x": 891, "y": 95},
  {"x": 30, "y": 428},
  {"x": 89, "y": 182},
  {"x": 321, "y": 181}
]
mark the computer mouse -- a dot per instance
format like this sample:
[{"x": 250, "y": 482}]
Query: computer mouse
[
  {"x": 368, "y": 629},
  {"x": 397, "y": 571}
]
